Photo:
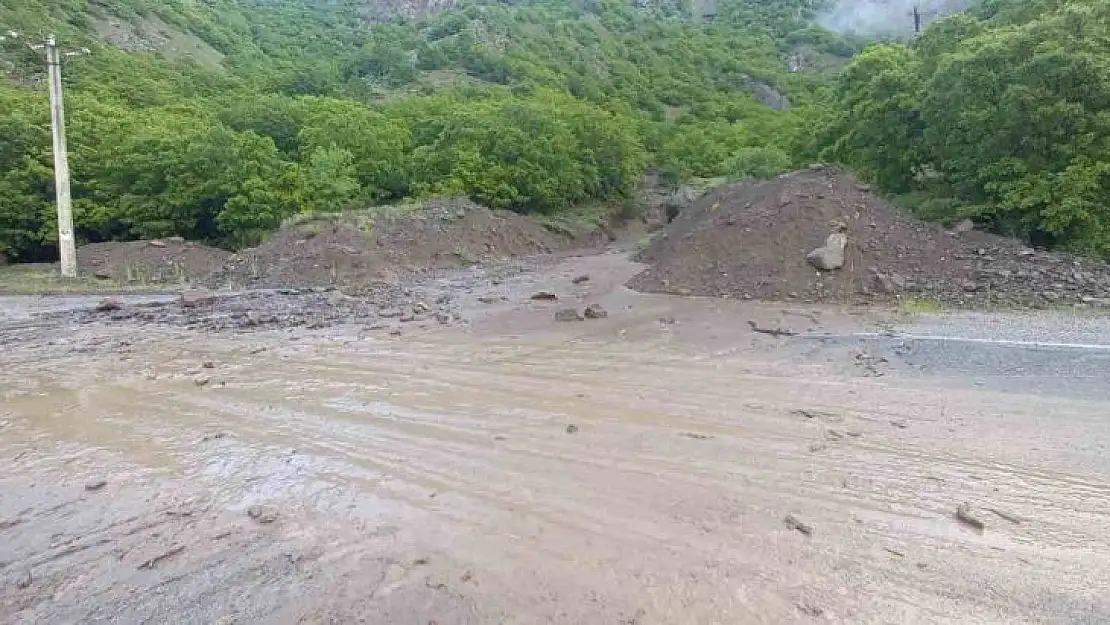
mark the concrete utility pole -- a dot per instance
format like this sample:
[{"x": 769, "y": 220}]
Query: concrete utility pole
[{"x": 66, "y": 246}]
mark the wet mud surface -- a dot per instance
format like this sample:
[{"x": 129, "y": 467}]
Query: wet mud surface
[{"x": 661, "y": 464}]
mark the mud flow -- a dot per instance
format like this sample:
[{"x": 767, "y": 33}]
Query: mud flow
[{"x": 673, "y": 460}]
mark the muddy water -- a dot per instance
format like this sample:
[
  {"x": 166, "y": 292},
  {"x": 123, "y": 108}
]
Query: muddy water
[{"x": 624, "y": 470}]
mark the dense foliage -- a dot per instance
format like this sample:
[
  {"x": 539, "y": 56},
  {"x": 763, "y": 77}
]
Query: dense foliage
[
  {"x": 221, "y": 119},
  {"x": 1001, "y": 115}
]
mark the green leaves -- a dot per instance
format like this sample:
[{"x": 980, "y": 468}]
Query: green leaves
[{"x": 1006, "y": 119}]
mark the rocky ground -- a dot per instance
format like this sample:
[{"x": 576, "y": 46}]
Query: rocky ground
[{"x": 751, "y": 241}]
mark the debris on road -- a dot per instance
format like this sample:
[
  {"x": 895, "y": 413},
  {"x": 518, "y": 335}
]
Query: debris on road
[
  {"x": 568, "y": 314},
  {"x": 24, "y": 579},
  {"x": 1006, "y": 515},
  {"x": 572, "y": 429},
  {"x": 965, "y": 516},
  {"x": 696, "y": 436},
  {"x": 595, "y": 311},
  {"x": 108, "y": 304},
  {"x": 262, "y": 514},
  {"x": 776, "y": 332},
  {"x": 548, "y": 296},
  {"x": 94, "y": 485},
  {"x": 580, "y": 279},
  {"x": 795, "y": 524}
]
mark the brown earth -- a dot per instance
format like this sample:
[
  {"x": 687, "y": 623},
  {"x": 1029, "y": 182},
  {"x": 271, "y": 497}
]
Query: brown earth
[
  {"x": 750, "y": 240},
  {"x": 358, "y": 250},
  {"x": 169, "y": 261}
]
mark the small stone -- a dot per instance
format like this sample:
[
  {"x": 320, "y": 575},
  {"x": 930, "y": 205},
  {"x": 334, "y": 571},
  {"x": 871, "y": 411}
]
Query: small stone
[
  {"x": 443, "y": 317},
  {"x": 970, "y": 286},
  {"x": 572, "y": 429},
  {"x": 1026, "y": 252},
  {"x": 490, "y": 299},
  {"x": 580, "y": 279},
  {"x": 965, "y": 225},
  {"x": 156, "y": 243},
  {"x": 595, "y": 311},
  {"x": 380, "y": 325},
  {"x": 109, "y": 304},
  {"x": 568, "y": 314},
  {"x": 443, "y": 299},
  {"x": 24, "y": 579},
  {"x": 390, "y": 313},
  {"x": 544, "y": 296},
  {"x": 208, "y": 364},
  {"x": 194, "y": 298},
  {"x": 201, "y": 380},
  {"x": 395, "y": 332},
  {"x": 95, "y": 485},
  {"x": 668, "y": 321},
  {"x": 419, "y": 308},
  {"x": 102, "y": 275},
  {"x": 175, "y": 239},
  {"x": 406, "y": 318},
  {"x": 262, "y": 514}
]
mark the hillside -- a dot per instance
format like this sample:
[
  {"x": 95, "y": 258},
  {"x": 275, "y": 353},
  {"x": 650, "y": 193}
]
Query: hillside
[{"x": 218, "y": 120}]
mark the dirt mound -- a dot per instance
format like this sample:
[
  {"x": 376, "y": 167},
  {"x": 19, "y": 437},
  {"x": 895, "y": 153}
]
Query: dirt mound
[
  {"x": 168, "y": 261},
  {"x": 750, "y": 240},
  {"x": 353, "y": 251}
]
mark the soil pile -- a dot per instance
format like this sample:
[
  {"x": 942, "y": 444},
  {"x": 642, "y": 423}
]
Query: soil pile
[
  {"x": 170, "y": 261},
  {"x": 750, "y": 240},
  {"x": 359, "y": 250}
]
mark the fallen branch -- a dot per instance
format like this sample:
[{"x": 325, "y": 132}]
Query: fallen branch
[
  {"x": 151, "y": 563},
  {"x": 771, "y": 331}
]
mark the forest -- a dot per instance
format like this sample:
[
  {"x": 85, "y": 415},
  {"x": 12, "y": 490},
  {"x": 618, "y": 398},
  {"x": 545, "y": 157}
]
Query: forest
[{"x": 218, "y": 121}]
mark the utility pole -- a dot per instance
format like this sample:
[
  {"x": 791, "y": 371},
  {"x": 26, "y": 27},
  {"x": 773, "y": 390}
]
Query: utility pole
[
  {"x": 66, "y": 245},
  {"x": 916, "y": 21}
]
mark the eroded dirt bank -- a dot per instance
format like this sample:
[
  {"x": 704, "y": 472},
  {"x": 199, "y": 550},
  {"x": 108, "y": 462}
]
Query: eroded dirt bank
[{"x": 664, "y": 464}]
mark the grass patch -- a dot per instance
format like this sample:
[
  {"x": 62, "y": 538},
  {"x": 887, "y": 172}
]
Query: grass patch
[
  {"x": 919, "y": 306},
  {"x": 42, "y": 279}
]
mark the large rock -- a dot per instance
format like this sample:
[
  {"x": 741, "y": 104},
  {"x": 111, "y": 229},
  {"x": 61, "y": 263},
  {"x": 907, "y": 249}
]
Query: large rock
[
  {"x": 678, "y": 201},
  {"x": 195, "y": 298},
  {"x": 831, "y": 256}
]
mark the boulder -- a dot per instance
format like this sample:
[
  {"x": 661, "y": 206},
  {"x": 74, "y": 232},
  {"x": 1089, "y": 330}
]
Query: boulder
[{"x": 831, "y": 256}]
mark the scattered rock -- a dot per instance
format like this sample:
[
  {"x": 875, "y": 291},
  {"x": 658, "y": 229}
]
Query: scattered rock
[
  {"x": 695, "y": 436},
  {"x": 568, "y": 314},
  {"x": 390, "y": 313},
  {"x": 831, "y": 256},
  {"x": 419, "y": 308},
  {"x": 109, "y": 304},
  {"x": 95, "y": 485},
  {"x": 548, "y": 296},
  {"x": 395, "y": 332},
  {"x": 213, "y": 436},
  {"x": 24, "y": 579},
  {"x": 490, "y": 299},
  {"x": 793, "y": 523},
  {"x": 572, "y": 429},
  {"x": 195, "y": 298},
  {"x": 668, "y": 320},
  {"x": 595, "y": 311},
  {"x": 406, "y": 318},
  {"x": 208, "y": 364},
  {"x": 580, "y": 279},
  {"x": 201, "y": 380},
  {"x": 156, "y": 243},
  {"x": 965, "y": 516},
  {"x": 175, "y": 239},
  {"x": 262, "y": 514},
  {"x": 443, "y": 317}
]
